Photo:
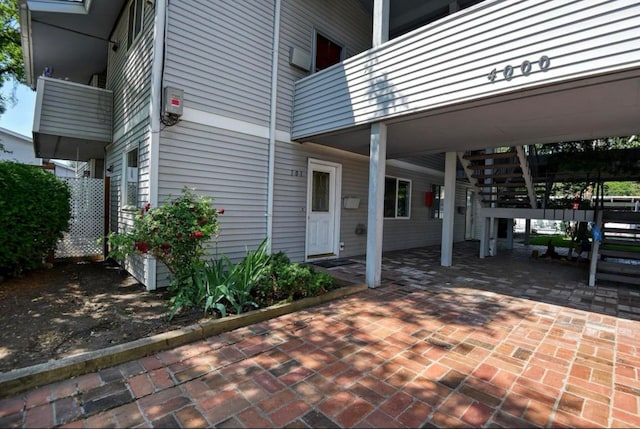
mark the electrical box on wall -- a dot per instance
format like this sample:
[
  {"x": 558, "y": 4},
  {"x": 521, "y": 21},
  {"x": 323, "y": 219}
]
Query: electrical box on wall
[
  {"x": 173, "y": 98},
  {"x": 300, "y": 58}
]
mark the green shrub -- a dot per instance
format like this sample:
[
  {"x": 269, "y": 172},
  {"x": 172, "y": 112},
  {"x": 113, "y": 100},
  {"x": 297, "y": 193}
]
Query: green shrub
[
  {"x": 174, "y": 233},
  {"x": 287, "y": 282},
  {"x": 34, "y": 213}
]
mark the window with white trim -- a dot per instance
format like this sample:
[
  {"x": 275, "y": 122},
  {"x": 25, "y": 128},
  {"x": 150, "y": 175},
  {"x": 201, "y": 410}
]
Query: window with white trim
[
  {"x": 130, "y": 180},
  {"x": 397, "y": 198},
  {"x": 437, "y": 209},
  {"x": 136, "y": 13},
  {"x": 327, "y": 53}
]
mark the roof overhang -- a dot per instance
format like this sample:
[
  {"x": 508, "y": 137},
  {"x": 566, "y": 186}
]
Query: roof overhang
[{"x": 69, "y": 37}]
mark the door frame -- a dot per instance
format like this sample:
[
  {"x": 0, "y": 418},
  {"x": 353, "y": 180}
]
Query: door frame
[{"x": 337, "y": 198}]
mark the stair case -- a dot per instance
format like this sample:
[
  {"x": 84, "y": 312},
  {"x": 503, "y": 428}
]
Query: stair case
[
  {"x": 502, "y": 177},
  {"x": 618, "y": 255}
]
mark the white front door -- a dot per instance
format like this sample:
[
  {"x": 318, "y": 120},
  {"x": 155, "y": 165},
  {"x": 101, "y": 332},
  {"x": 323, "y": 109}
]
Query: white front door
[{"x": 323, "y": 209}]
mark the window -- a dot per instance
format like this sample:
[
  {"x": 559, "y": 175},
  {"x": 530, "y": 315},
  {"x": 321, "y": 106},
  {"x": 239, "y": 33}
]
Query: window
[
  {"x": 397, "y": 198},
  {"x": 328, "y": 53},
  {"x": 437, "y": 209},
  {"x": 130, "y": 180},
  {"x": 136, "y": 11}
]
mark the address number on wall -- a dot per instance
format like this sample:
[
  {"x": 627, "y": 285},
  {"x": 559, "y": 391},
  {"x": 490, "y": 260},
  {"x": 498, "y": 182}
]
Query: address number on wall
[{"x": 526, "y": 68}]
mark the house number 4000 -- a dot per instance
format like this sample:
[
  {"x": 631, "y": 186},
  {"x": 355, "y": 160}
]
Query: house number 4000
[{"x": 526, "y": 68}]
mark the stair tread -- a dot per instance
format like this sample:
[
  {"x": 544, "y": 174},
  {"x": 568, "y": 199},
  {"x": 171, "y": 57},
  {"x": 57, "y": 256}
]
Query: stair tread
[
  {"x": 619, "y": 254},
  {"x": 495, "y": 155},
  {"x": 618, "y": 268},
  {"x": 492, "y": 166},
  {"x": 496, "y": 176},
  {"x": 618, "y": 278},
  {"x": 621, "y": 241}
]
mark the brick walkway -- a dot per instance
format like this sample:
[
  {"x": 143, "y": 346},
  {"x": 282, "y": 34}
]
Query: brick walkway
[{"x": 500, "y": 342}]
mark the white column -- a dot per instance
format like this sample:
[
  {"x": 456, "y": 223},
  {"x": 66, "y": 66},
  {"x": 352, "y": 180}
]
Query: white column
[
  {"x": 380, "y": 22},
  {"x": 485, "y": 223},
  {"x": 449, "y": 203},
  {"x": 510, "y": 234},
  {"x": 377, "y": 159}
]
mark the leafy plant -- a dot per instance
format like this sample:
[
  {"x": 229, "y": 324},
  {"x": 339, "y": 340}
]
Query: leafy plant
[
  {"x": 34, "y": 212},
  {"x": 175, "y": 234}
]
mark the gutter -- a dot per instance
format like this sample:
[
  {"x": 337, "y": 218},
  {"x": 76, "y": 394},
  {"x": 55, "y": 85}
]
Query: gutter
[
  {"x": 272, "y": 123},
  {"x": 159, "y": 33},
  {"x": 25, "y": 41}
]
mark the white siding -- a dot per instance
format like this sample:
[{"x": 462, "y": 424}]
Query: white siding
[
  {"x": 344, "y": 21},
  {"x": 289, "y": 228},
  {"x": 69, "y": 109},
  {"x": 220, "y": 54},
  {"x": 227, "y": 166},
  {"x": 129, "y": 72},
  {"x": 449, "y": 61}
]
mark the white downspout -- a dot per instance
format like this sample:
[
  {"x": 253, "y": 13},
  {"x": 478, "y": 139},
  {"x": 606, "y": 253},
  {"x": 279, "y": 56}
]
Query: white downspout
[
  {"x": 159, "y": 32},
  {"x": 272, "y": 122}
]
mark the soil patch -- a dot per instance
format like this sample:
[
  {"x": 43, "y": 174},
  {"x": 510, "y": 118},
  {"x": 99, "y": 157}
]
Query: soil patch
[{"x": 75, "y": 307}]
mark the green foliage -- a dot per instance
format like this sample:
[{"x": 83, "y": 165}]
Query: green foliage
[
  {"x": 622, "y": 188},
  {"x": 11, "y": 62},
  {"x": 287, "y": 281},
  {"x": 34, "y": 212},
  {"x": 174, "y": 233},
  {"x": 221, "y": 283}
]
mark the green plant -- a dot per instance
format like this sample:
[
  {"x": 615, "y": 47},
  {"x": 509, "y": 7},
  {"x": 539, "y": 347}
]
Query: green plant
[
  {"x": 175, "y": 234},
  {"x": 34, "y": 212}
]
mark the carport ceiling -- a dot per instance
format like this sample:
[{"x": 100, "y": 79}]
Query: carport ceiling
[{"x": 602, "y": 106}]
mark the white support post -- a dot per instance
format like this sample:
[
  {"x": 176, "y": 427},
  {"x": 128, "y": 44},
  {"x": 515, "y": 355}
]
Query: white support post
[
  {"x": 380, "y": 22},
  {"x": 484, "y": 236},
  {"x": 377, "y": 160},
  {"x": 510, "y": 234},
  {"x": 494, "y": 236},
  {"x": 446, "y": 246}
]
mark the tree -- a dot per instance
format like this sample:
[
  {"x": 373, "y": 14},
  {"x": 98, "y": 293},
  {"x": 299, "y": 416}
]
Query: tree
[{"x": 11, "y": 61}]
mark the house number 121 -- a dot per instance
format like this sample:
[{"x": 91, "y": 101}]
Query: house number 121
[{"x": 525, "y": 68}]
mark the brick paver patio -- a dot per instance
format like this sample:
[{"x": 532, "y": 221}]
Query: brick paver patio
[{"x": 500, "y": 342}]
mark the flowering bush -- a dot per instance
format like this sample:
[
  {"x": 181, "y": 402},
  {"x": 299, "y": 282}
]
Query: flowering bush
[{"x": 174, "y": 234}]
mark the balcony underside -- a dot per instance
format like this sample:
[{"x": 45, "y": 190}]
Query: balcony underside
[
  {"x": 499, "y": 73},
  {"x": 601, "y": 106},
  {"x": 69, "y": 148}
]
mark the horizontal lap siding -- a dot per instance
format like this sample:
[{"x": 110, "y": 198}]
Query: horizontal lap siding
[
  {"x": 227, "y": 166},
  {"x": 290, "y": 203},
  {"x": 219, "y": 53},
  {"x": 448, "y": 61},
  {"x": 129, "y": 71},
  {"x": 73, "y": 110},
  {"x": 344, "y": 21}
]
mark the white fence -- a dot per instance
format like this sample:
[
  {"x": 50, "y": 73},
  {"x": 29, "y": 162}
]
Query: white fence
[{"x": 87, "y": 219}]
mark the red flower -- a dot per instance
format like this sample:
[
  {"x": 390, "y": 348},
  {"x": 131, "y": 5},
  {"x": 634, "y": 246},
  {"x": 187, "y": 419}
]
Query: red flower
[
  {"x": 202, "y": 222},
  {"x": 147, "y": 207},
  {"x": 220, "y": 211},
  {"x": 197, "y": 234},
  {"x": 142, "y": 246}
]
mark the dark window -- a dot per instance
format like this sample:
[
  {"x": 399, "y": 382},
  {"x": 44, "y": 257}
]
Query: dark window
[
  {"x": 397, "y": 198},
  {"x": 437, "y": 211},
  {"x": 328, "y": 53},
  {"x": 135, "y": 20}
]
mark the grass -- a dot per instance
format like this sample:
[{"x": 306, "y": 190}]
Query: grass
[
  {"x": 561, "y": 240},
  {"x": 558, "y": 240}
]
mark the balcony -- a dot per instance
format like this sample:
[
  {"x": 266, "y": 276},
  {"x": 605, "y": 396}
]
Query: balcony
[
  {"x": 71, "y": 121},
  {"x": 499, "y": 73}
]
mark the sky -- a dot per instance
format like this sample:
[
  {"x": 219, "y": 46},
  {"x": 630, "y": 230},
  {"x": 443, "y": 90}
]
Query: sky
[{"x": 19, "y": 117}]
